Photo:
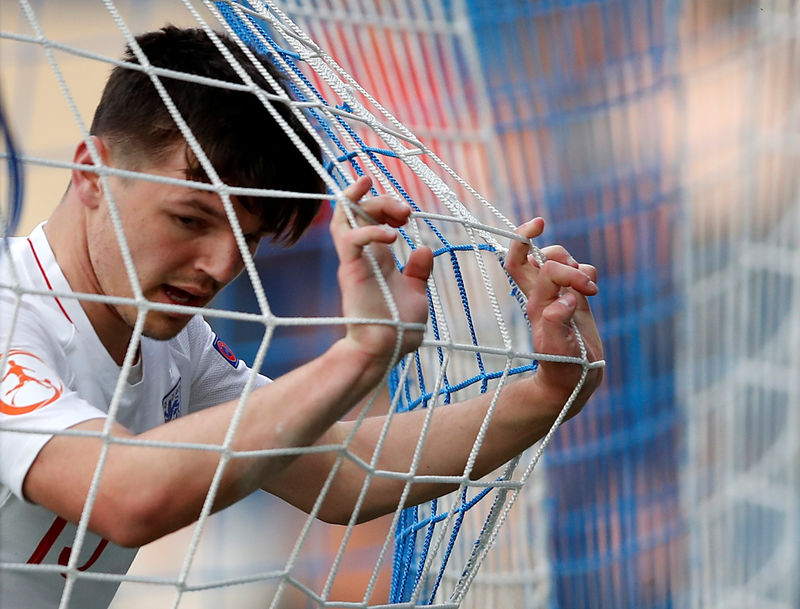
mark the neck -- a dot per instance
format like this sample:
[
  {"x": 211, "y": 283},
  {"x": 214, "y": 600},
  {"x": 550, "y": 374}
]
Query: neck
[{"x": 66, "y": 232}]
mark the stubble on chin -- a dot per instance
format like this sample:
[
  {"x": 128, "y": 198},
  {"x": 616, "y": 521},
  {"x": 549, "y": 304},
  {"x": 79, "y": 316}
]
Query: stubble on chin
[{"x": 160, "y": 326}]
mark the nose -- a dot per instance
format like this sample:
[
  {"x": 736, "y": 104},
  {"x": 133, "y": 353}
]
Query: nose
[{"x": 221, "y": 259}]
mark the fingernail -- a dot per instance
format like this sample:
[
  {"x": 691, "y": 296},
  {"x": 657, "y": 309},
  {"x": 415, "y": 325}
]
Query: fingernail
[
  {"x": 572, "y": 262},
  {"x": 593, "y": 286}
]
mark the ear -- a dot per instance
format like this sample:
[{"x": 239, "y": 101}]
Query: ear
[{"x": 88, "y": 184}]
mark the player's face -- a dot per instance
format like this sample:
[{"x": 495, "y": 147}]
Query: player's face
[{"x": 181, "y": 244}]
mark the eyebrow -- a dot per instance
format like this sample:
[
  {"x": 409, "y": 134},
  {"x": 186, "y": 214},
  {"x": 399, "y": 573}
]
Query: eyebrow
[{"x": 205, "y": 208}]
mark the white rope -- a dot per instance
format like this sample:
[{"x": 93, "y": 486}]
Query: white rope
[
  {"x": 71, "y": 570},
  {"x": 408, "y": 147},
  {"x": 445, "y": 195}
]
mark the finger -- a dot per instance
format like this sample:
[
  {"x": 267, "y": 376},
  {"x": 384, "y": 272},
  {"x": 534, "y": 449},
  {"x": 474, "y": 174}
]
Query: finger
[
  {"x": 383, "y": 209},
  {"x": 554, "y": 276},
  {"x": 386, "y": 209},
  {"x": 349, "y": 245},
  {"x": 518, "y": 250},
  {"x": 354, "y": 192},
  {"x": 419, "y": 264},
  {"x": 358, "y": 189},
  {"x": 562, "y": 309},
  {"x": 560, "y": 254},
  {"x": 554, "y": 331},
  {"x": 589, "y": 270},
  {"x": 517, "y": 263}
]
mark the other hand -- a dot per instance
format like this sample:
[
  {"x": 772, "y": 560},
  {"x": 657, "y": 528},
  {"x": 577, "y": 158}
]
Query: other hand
[
  {"x": 361, "y": 293},
  {"x": 557, "y": 293}
]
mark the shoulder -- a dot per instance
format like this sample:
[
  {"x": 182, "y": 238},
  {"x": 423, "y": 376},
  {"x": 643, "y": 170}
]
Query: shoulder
[
  {"x": 195, "y": 338},
  {"x": 199, "y": 343},
  {"x": 26, "y": 308},
  {"x": 201, "y": 349},
  {"x": 29, "y": 323},
  {"x": 16, "y": 260},
  {"x": 217, "y": 374},
  {"x": 29, "y": 320}
]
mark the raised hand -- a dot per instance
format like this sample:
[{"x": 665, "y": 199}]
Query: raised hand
[
  {"x": 361, "y": 293},
  {"x": 557, "y": 292}
]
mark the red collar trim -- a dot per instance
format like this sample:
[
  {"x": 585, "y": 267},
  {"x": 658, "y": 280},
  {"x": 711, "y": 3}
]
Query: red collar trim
[{"x": 47, "y": 281}]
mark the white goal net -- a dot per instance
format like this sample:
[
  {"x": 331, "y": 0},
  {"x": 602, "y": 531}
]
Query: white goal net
[
  {"x": 475, "y": 338},
  {"x": 660, "y": 141}
]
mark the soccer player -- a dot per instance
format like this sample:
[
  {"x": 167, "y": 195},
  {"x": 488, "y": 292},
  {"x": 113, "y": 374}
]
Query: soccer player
[{"x": 64, "y": 354}]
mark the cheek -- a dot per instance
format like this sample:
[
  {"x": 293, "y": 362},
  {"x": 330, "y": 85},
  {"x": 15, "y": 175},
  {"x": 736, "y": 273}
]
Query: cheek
[
  {"x": 102, "y": 241},
  {"x": 107, "y": 264},
  {"x": 148, "y": 254},
  {"x": 158, "y": 255}
]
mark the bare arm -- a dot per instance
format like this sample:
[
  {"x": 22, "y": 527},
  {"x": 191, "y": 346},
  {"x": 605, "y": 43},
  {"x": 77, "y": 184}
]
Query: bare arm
[
  {"x": 450, "y": 437},
  {"x": 139, "y": 499},
  {"x": 146, "y": 492},
  {"x": 525, "y": 410}
]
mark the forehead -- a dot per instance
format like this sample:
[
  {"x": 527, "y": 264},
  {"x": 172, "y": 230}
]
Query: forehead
[
  {"x": 171, "y": 160},
  {"x": 175, "y": 162}
]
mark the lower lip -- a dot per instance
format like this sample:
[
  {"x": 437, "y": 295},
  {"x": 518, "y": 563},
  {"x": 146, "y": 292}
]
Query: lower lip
[{"x": 187, "y": 302}]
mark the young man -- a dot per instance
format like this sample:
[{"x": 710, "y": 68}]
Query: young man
[{"x": 64, "y": 354}]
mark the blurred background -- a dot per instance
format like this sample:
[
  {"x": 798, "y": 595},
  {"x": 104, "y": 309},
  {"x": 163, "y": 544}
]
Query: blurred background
[{"x": 660, "y": 139}]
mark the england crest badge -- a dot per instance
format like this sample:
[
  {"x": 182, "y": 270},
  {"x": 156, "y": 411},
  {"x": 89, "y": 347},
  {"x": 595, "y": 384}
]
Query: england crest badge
[{"x": 172, "y": 403}]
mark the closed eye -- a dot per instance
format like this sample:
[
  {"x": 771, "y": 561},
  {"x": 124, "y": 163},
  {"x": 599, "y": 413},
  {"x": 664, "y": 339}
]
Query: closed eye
[{"x": 190, "y": 222}]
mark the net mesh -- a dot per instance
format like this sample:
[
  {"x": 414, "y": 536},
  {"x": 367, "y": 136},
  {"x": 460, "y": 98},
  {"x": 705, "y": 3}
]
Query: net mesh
[
  {"x": 660, "y": 139},
  {"x": 463, "y": 355}
]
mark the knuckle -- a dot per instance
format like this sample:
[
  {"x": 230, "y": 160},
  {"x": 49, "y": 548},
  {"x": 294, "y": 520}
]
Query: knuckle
[
  {"x": 552, "y": 251},
  {"x": 550, "y": 267},
  {"x": 349, "y": 238},
  {"x": 512, "y": 264},
  {"x": 552, "y": 314}
]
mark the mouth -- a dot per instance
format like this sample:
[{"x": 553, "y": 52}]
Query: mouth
[{"x": 183, "y": 297}]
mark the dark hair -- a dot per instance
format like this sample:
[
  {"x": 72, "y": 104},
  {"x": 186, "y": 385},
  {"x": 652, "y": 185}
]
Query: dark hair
[{"x": 243, "y": 142}]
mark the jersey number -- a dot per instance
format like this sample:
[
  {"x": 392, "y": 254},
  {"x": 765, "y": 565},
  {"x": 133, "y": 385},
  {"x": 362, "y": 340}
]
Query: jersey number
[{"x": 63, "y": 558}]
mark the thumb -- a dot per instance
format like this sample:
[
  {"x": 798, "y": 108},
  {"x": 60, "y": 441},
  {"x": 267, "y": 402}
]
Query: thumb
[{"x": 419, "y": 264}]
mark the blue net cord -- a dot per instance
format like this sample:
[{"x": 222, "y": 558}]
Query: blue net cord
[
  {"x": 410, "y": 555},
  {"x": 16, "y": 175}
]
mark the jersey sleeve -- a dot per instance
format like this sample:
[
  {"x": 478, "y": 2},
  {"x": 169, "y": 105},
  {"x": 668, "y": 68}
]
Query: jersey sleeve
[
  {"x": 35, "y": 400},
  {"x": 219, "y": 376}
]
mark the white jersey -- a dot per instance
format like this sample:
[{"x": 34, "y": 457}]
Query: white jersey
[{"x": 58, "y": 374}]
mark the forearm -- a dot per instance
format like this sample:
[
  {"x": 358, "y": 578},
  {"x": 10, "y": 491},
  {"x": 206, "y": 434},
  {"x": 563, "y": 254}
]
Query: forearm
[
  {"x": 556, "y": 290},
  {"x": 155, "y": 490},
  {"x": 523, "y": 414}
]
